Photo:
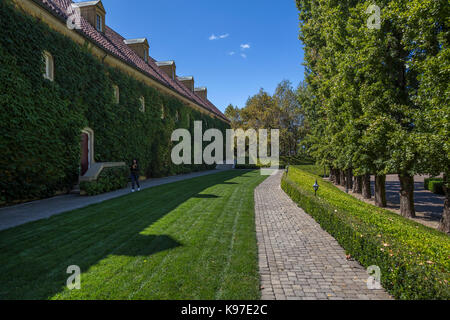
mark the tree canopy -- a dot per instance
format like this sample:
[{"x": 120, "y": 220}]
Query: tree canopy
[{"x": 377, "y": 99}]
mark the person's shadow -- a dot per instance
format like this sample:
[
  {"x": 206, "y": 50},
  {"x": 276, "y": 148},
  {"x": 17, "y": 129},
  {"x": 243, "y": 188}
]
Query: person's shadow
[{"x": 34, "y": 257}]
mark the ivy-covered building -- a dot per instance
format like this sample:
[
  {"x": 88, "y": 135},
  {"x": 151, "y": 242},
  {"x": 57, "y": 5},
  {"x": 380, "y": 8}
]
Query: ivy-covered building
[{"x": 77, "y": 97}]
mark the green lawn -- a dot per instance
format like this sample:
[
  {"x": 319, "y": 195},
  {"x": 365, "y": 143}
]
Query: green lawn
[{"x": 193, "y": 239}]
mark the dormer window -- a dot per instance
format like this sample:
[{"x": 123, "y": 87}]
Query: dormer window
[
  {"x": 49, "y": 66},
  {"x": 142, "y": 104},
  {"x": 99, "y": 25},
  {"x": 168, "y": 67},
  {"x": 188, "y": 82},
  {"x": 116, "y": 94},
  {"x": 94, "y": 12},
  {"x": 139, "y": 46}
]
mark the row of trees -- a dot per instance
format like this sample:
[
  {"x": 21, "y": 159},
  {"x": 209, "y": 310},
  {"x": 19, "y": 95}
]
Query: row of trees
[
  {"x": 278, "y": 111},
  {"x": 377, "y": 100}
]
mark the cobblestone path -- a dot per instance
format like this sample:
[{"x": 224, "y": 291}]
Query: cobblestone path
[{"x": 298, "y": 260}]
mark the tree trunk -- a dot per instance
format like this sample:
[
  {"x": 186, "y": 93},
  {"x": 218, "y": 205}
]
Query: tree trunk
[
  {"x": 337, "y": 177},
  {"x": 357, "y": 184},
  {"x": 407, "y": 196},
  {"x": 349, "y": 179},
  {"x": 331, "y": 174},
  {"x": 342, "y": 179},
  {"x": 380, "y": 191},
  {"x": 366, "y": 190},
  {"x": 444, "y": 225}
]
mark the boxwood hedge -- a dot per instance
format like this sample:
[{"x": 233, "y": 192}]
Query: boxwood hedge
[
  {"x": 41, "y": 121},
  {"x": 414, "y": 259},
  {"x": 435, "y": 185},
  {"x": 109, "y": 179}
]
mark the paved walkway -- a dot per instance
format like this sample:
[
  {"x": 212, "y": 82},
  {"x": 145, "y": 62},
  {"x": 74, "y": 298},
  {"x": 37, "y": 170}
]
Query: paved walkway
[
  {"x": 31, "y": 211},
  {"x": 298, "y": 260}
]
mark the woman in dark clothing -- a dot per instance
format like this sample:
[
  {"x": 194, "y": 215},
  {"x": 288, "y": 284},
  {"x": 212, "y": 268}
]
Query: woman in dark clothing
[{"x": 135, "y": 175}]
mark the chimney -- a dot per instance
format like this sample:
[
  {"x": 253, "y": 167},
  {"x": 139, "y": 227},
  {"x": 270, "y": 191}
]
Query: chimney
[
  {"x": 168, "y": 67},
  {"x": 202, "y": 92},
  {"x": 93, "y": 12},
  {"x": 188, "y": 82},
  {"x": 139, "y": 46}
]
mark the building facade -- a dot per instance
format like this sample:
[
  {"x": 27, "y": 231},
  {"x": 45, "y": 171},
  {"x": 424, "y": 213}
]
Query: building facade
[{"x": 76, "y": 97}]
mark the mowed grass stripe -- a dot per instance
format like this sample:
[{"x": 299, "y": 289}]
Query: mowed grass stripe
[
  {"x": 197, "y": 259},
  {"x": 168, "y": 242}
]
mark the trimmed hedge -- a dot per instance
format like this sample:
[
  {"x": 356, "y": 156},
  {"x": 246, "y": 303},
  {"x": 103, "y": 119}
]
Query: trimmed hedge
[
  {"x": 414, "y": 259},
  {"x": 315, "y": 169},
  {"x": 435, "y": 185},
  {"x": 41, "y": 121},
  {"x": 109, "y": 179}
]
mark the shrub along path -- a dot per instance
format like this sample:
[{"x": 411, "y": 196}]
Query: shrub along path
[
  {"x": 297, "y": 258},
  {"x": 193, "y": 239}
]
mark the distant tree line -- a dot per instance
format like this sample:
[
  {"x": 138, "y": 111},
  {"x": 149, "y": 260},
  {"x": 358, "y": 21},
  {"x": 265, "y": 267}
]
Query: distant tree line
[
  {"x": 278, "y": 111},
  {"x": 377, "y": 100}
]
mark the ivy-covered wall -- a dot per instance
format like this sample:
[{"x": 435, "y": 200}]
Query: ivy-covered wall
[{"x": 41, "y": 121}]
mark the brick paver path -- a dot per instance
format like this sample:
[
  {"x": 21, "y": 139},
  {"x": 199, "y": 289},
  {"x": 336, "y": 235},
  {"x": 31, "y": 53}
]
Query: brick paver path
[{"x": 297, "y": 258}]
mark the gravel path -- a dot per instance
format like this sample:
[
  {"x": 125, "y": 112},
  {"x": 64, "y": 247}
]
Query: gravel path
[{"x": 298, "y": 260}]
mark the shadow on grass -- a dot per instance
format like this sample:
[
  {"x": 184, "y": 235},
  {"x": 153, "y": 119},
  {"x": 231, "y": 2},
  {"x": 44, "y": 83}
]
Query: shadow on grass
[
  {"x": 34, "y": 257},
  {"x": 206, "y": 196}
]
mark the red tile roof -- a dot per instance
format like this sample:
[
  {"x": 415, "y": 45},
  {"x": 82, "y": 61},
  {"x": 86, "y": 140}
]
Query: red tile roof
[{"x": 113, "y": 42}]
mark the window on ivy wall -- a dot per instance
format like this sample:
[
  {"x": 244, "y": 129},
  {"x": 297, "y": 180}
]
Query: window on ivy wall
[
  {"x": 49, "y": 66},
  {"x": 162, "y": 112},
  {"x": 116, "y": 94},
  {"x": 142, "y": 104},
  {"x": 177, "y": 116}
]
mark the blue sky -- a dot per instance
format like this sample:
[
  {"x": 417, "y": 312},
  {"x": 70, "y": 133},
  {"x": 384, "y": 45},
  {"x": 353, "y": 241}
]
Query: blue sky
[{"x": 259, "y": 46}]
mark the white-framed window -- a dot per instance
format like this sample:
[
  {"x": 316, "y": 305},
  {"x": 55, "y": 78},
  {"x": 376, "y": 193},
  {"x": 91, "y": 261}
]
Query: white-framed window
[
  {"x": 146, "y": 56},
  {"x": 116, "y": 94},
  {"x": 99, "y": 23},
  {"x": 49, "y": 66},
  {"x": 142, "y": 104}
]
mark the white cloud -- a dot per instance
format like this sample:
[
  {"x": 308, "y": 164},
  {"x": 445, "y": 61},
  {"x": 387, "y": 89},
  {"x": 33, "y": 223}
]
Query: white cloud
[
  {"x": 243, "y": 55},
  {"x": 222, "y": 36},
  {"x": 231, "y": 53},
  {"x": 245, "y": 46}
]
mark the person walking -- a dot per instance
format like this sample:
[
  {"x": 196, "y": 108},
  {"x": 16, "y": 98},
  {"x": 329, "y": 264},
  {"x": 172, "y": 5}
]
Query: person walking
[{"x": 134, "y": 169}]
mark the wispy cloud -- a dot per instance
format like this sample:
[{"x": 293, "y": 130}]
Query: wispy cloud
[
  {"x": 243, "y": 55},
  {"x": 231, "y": 53},
  {"x": 245, "y": 46},
  {"x": 222, "y": 36}
]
